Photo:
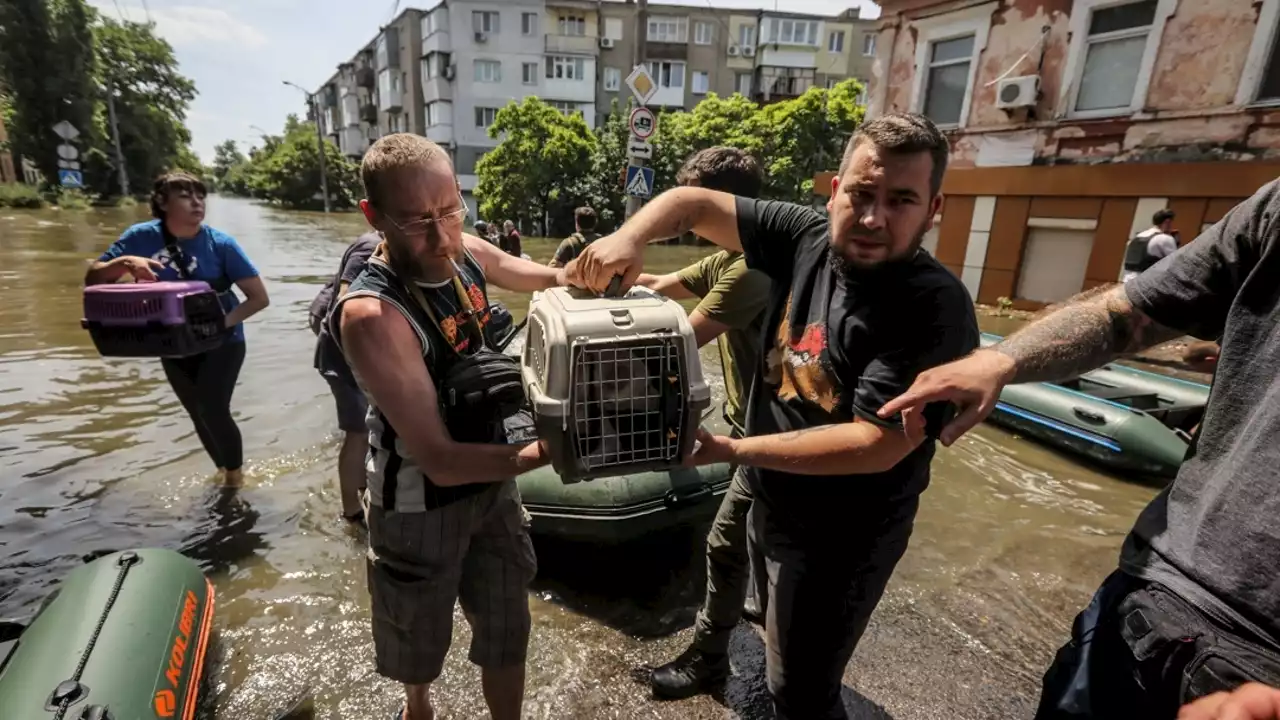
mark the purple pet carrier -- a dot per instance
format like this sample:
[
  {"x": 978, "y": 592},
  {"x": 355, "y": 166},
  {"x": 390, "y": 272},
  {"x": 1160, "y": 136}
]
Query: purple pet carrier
[{"x": 158, "y": 319}]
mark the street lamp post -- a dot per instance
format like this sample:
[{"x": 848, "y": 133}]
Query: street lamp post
[{"x": 324, "y": 173}]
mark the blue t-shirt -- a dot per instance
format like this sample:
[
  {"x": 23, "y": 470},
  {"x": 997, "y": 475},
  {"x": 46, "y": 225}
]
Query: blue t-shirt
[{"x": 212, "y": 256}]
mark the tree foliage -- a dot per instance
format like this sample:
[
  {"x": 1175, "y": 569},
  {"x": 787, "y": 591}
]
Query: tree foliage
[
  {"x": 58, "y": 61},
  {"x": 542, "y": 167},
  {"x": 287, "y": 170}
]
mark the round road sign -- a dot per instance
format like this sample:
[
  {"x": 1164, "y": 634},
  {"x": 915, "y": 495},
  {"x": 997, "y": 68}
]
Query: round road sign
[{"x": 643, "y": 123}]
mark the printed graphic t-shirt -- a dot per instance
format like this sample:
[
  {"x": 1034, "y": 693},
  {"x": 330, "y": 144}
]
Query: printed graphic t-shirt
[
  {"x": 212, "y": 256},
  {"x": 839, "y": 345}
]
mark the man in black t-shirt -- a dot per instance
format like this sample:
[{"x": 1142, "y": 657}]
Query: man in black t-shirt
[
  {"x": 1194, "y": 607},
  {"x": 856, "y": 312}
]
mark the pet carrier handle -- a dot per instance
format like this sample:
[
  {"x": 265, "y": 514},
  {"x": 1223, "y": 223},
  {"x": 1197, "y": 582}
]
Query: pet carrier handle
[{"x": 615, "y": 287}]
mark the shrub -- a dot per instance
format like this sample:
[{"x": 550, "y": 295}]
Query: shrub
[{"x": 16, "y": 195}]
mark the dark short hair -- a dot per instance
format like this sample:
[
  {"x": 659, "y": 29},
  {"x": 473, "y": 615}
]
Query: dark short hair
[
  {"x": 174, "y": 182},
  {"x": 1162, "y": 216},
  {"x": 725, "y": 169},
  {"x": 585, "y": 217},
  {"x": 903, "y": 134}
]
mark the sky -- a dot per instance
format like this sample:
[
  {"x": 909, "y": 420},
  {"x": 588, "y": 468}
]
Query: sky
[{"x": 239, "y": 52}]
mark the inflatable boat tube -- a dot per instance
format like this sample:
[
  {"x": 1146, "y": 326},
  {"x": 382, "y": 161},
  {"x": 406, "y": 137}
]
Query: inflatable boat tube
[{"x": 123, "y": 638}]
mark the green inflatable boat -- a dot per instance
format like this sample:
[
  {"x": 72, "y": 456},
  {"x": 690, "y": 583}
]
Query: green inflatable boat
[
  {"x": 123, "y": 638},
  {"x": 1128, "y": 420}
]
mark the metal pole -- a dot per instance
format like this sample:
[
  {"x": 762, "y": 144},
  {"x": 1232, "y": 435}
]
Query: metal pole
[
  {"x": 115, "y": 138},
  {"x": 324, "y": 172},
  {"x": 638, "y": 54}
]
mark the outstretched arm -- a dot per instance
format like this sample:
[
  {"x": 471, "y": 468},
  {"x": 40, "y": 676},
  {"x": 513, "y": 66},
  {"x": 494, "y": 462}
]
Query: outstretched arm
[{"x": 510, "y": 272}]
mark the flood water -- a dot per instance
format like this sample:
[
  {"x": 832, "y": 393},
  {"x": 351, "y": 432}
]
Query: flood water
[{"x": 97, "y": 455}]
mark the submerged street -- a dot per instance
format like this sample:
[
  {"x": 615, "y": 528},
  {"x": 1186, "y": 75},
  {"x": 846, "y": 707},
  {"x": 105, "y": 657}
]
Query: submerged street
[{"x": 97, "y": 455}]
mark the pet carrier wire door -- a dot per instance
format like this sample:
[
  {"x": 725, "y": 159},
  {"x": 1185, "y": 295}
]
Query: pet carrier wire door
[{"x": 616, "y": 383}]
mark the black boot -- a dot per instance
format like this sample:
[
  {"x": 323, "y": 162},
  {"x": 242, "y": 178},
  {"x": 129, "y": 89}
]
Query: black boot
[{"x": 692, "y": 673}]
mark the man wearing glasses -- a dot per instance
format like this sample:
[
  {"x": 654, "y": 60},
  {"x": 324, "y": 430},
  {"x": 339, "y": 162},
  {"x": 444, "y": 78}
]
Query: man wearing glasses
[{"x": 445, "y": 520}]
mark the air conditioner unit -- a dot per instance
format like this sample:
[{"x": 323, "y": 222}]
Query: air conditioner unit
[
  {"x": 448, "y": 72},
  {"x": 748, "y": 52},
  {"x": 734, "y": 51},
  {"x": 606, "y": 43},
  {"x": 482, "y": 37},
  {"x": 1018, "y": 92}
]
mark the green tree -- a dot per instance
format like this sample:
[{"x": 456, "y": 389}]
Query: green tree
[
  {"x": 537, "y": 171},
  {"x": 288, "y": 172},
  {"x": 151, "y": 101},
  {"x": 46, "y": 66},
  {"x": 604, "y": 185},
  {"x": 806, "y": 135},
  {"x": 225, "y": 157}
]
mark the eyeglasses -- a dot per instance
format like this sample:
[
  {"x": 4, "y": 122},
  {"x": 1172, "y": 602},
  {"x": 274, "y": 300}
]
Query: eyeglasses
[{"x": 419, "y": 228}]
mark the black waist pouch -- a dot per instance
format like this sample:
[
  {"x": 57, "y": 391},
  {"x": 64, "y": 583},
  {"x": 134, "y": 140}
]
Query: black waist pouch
[{"x": 478, "y": 393}]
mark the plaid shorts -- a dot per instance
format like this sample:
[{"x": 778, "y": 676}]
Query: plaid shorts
[{"x": 475, "y": 551}]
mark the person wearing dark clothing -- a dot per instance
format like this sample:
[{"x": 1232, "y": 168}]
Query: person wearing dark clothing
[
  {"x": 348, "y": 397},
  {"x": 509, "y": 240},
  {"x": 1148, "y": 246},
  {"x": 177, "y": 245},
  {"x": 584, "y": 221},
  {"x": 856, "y": 311},
  {"x": 1194, "y": 607}
]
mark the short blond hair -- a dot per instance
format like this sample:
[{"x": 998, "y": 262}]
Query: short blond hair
[{"x": 392, "y": 153}]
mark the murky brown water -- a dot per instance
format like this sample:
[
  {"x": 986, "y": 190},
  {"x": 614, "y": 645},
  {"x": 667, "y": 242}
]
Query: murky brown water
[{"x": 97, "y": 455}]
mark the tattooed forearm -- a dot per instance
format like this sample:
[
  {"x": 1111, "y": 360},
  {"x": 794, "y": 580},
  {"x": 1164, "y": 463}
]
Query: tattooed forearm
[{"x": 1084, "y": 334}]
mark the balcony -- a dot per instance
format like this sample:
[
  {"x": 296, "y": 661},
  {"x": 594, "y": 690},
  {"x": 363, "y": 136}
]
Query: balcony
[
  {"x": 573, "y": 45},
  {"x": 330, "y": 96},
  {"x": 437, "y": 41},
  {"x": 436, "y": 88},
  {"x": 440, "y": 134},
  {"x": 352, "y": 142},
  {"x": 369, "y": 114},
  {"x": 365, "y": 77}
]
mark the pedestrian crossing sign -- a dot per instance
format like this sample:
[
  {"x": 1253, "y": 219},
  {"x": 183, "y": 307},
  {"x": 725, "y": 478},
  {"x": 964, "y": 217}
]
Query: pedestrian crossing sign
[{"x": 639, "y": 181}]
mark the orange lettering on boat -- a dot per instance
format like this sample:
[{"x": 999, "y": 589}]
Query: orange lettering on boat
[
  {"x": 178, "y": 652},
  {"x": 165, "y": 703}
]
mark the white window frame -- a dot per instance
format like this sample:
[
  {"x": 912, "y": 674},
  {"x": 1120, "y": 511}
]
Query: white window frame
[
  {"x": 571, "y": 22},
  {"x": 693, "y": 82},
  {"x": 482, "y": 114},
  {"x": 869, "y": 51},
  {"x": 525, "y": 75},
  {"x": 681, "y": 24},
  {"x": 480, "y": 24},
  {"x": 1077, "y": 51},
  {"x": 832, "y": 45},
  {"x": 612, "y": 79},
  {"x": 737, "y": 83},
  {"x": 528, "y": 24},
  {"x": 567, "y": 65},
  {"x": 494, "y": 67},
  {"x": 813, "y": 31},
  {"x": 704, "y": 33},
  {"x": 975, "y": 21},
  {"x": 655, "y": 70},
  {"x": 1260, "y": 50},
  {"x": 751, "y": 30}
]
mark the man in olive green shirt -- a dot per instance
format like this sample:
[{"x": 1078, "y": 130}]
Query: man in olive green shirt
[
  {"x": 584, "y": 221},
  {"x": 731, "y": 307}
]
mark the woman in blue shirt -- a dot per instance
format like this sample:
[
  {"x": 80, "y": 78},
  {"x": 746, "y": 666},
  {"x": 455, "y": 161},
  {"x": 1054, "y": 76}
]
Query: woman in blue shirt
[{"x": 177, "y": 245}]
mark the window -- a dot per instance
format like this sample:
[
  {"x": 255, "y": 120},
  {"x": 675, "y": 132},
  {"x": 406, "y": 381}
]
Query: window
[
  {"x": 434, "y": 64},
  {"x": 612, "y": 79},
  {"x": 488, "y": 71},
  {"x": 484, "y": 22},
  {"x": 948, "y": 79},
  {"x": 792, "y": 32},
  {"x": 529, "y": 73},
  {"x": 1111, "y": 61},
  {"x": 613, "y": 28},
  {"x": 565, "y": 68},
  {"x": 529, "y": 24},
  {"x": 1053, "y": 264},
  {"x": 784, "y": 81},
  {"x": 668, "y": 29},
  {"x": 1260, "y": 79},
  {"x": 486, "y": 116},
  {"x": 835, "y": 41},
  {"x": 438, "y": 113},
  {"x": 703, "y": 33},
  {"x": 947, "y": 50},
  {"x": 565, "y": 108},
  {"x": 743, "y": 84},
  {"x": 572, "y": 25},
  {"x": 833, "y": 81},
  {"x": 747, "y": 36},
  {"x": 667, "y": 74},
  {"x": 869, "y": 45},
  {"x": 429, "y": 24},
  {"x": 701, "y": 82}
]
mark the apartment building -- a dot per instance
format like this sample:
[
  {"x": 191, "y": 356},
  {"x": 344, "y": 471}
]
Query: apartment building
[
  {"x": 764, "y": 55},
  {"x": 1073, "y": 121}
]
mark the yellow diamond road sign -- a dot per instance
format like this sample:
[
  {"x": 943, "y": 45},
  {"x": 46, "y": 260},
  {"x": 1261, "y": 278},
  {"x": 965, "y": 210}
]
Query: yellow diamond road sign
[{"x": 642, "y": 84}]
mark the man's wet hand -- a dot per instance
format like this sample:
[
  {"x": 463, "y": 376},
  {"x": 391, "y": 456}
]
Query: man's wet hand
[
  {"x": 608, "y": 257},
  {"x": 972, "y": 383},
  {"x": 533, "y": 456},
  {"x": 710, "y": 449}
]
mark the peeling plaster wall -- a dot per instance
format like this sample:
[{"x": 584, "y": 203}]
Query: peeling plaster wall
[{"x": 1189, "y": 112}]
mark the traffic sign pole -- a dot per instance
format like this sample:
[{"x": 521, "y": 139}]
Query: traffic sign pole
[{"x": 643, "y": 88}]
